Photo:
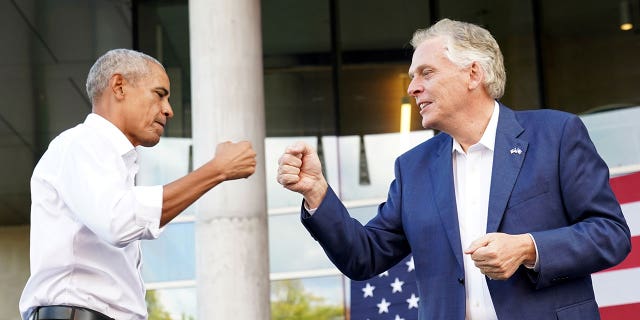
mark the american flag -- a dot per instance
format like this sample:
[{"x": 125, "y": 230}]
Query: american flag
[
  {"x": 393, "y": 295},
  {"x": 618, "y": 288}
]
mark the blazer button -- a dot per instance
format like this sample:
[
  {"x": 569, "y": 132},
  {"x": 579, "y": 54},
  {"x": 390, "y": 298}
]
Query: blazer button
[{"x": 461, "y": 280}]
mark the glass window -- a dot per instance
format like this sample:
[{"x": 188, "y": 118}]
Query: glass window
[
  {"x": 277, "y": 196},
  {"x": 167, "y": 161},
  {"x": 511, "y": 24},
  {"x": 616, "y": 135},
  {"x": 587, "y": 57},
  {"x": 162, "y": 31},
  {"x": 291, "y": 248},
  {"x": 171, "y": 257},
  {"x": 376, "y": 54},
  {"x": 366, "y": 163}
]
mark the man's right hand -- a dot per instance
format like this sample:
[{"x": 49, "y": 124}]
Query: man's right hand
[
  {"x": 299, "y": 170},
  {"x": 235, "y": 160}
]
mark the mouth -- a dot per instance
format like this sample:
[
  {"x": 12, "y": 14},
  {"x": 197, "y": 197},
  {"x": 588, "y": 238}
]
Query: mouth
[
  {"x": 423, "y": 104},
  {"x": 162, "y": 124}
]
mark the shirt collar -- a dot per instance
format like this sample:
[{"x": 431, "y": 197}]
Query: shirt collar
[
  {"x": 107, "y": 129},
  {"x": 488, "y": 139}
]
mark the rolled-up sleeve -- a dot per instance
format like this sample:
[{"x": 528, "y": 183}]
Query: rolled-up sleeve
[{"x": 148, "y": 209}]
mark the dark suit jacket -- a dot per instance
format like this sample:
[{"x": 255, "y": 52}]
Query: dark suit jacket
[{"x": 556, "y": 188}]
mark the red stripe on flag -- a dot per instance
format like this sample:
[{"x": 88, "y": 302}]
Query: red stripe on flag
[
  {"x": 632, "y": 260},
  {"x": 626, "y": 188},
  {"x": 621, "y": 312}
]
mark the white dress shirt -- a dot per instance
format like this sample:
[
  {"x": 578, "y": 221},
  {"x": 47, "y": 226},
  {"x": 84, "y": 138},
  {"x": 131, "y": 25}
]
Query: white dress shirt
[
  {"x": 87, "y": 218},
  {"x": 472, "y": 180}
]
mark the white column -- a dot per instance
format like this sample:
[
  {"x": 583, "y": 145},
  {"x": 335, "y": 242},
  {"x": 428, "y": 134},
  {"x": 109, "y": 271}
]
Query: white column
[{"x": 232, "y": 270}]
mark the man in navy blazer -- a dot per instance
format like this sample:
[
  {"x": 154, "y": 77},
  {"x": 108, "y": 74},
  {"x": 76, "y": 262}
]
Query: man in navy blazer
[{"x": 507, "y": 213}]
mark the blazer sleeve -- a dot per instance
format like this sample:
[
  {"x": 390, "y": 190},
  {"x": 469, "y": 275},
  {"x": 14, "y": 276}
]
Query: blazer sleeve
[
  {"x": 360, "y": 252},
  {"x": 598, "y": 236}
]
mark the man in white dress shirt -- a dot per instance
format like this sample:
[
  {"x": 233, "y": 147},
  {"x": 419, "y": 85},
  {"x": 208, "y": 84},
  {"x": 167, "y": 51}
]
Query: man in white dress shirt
[{"x": 87, "y": 217}]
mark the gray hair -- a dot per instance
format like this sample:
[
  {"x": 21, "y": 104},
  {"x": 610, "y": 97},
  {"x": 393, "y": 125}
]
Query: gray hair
[
  {"x": 467, "y": 43},
  {"x": 132, "y": 65}
]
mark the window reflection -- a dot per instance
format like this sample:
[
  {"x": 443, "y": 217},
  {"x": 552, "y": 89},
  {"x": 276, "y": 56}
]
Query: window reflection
[
  {"x": 277, "y": 196},
  {"x": 291, "y": 248},
  {"x": 609, "y": 129},
  {"x": 171, "y": 257},
  {"x": 167, "y": 161},
  {"x": 380, "y": 151}
]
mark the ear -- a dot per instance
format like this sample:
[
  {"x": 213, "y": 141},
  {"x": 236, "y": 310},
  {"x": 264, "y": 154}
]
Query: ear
[
  {"x": 116, "y": 85},
  {"x": 476, "y": 76}
]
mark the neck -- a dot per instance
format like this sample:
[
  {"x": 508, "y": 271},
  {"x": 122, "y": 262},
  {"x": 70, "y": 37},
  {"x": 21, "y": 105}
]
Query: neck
[{"x": 472, "y": 124}]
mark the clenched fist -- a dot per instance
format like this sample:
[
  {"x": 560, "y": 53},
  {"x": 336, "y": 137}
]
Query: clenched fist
[
  {"x": 299, "y": 170},
  {"x": 499, "y": 255},
  {"x": 235, "y": 160}
]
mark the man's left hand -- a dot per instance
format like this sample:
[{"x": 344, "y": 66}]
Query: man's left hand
[{"x": 498, "y": 255}]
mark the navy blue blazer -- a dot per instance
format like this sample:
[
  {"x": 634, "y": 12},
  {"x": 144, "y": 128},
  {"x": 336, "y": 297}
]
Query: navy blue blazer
[{"x": 557, "y": 188}]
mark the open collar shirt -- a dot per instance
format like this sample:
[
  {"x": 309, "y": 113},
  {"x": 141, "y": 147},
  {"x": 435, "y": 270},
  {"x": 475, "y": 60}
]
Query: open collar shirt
[
  {"x": 472, "y": 181},
  {"x": 87, "y": 218}
]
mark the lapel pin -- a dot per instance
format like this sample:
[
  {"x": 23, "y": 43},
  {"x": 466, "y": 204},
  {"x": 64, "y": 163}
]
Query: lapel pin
[{"x": 516, "y": 151}]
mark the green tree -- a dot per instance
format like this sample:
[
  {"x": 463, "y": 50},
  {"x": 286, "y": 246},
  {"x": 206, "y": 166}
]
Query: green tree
[
  {"x": 290, "y": 301},
  {"x": 155, "y": 308}
]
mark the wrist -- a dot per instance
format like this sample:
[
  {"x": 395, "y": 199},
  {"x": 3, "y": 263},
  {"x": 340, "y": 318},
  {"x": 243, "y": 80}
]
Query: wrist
[
  {"x": 313, "y": 198},
  {"x": 530, "y": 253}
]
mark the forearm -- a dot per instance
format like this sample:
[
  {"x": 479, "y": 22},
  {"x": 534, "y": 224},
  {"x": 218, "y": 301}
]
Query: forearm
[{"x": 181, "y": 193}]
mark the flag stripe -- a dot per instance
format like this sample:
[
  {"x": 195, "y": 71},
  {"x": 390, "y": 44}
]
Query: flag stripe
[
  {"x": 626, "y": 311},
  {"x": 617, "y": 287},
  {"x": 632, "y": 260},
  {"x": 631, "y": 213},
  {"x": 626, "y": 187}
]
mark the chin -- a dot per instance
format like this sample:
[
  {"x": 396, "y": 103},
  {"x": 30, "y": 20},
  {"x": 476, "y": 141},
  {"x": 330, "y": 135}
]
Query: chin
[
  {"x": 150, "y": 143},
  {"x": 427, "y": 124}
]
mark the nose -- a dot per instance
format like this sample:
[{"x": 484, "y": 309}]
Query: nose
[
  {"x": 167, "y": 110},
  {"x": 414, "y": 88}
]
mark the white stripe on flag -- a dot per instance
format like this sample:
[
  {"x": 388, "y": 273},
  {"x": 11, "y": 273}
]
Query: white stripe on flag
[
  {"x": 617, "y": 287},
  {"x": 631, "y": 213}
]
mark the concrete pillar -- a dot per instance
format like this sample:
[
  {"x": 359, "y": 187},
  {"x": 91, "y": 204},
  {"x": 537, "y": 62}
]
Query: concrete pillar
[{"x": 232, "y": 270}]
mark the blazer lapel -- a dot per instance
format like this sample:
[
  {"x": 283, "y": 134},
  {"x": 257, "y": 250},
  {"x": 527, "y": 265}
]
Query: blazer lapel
[
  {"x": 444, "y": 194},
  {"x": 508, "y": 156}
]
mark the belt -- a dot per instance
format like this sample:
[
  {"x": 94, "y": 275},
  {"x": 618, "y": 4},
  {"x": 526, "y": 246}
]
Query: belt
[{"x": 66, "y": 313}]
